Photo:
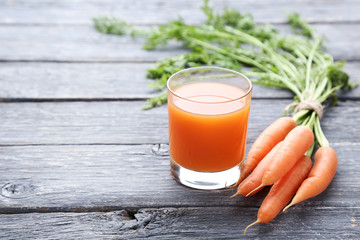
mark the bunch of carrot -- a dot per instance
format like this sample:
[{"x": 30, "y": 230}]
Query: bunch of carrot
[{"x": 280, "y": 157}]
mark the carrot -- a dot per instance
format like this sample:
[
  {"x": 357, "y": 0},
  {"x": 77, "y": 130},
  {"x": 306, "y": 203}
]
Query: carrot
[
  {"x": 254, "y": 179},
  {"x": 295, "y": 144},
  {"x": 319, "y": 177},
  {"x": 282, "y": 191},
  {"x": 271, "y": 136}
]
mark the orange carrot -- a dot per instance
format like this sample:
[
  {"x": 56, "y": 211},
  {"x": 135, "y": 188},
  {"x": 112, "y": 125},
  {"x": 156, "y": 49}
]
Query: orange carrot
[
  {"x": 319, "y": 177},
  {"x": 282, "y": 191},
  {"x": 271, "y": 136},
  {"x": 254, "y": 179},
  {"x": 295, "y": 144}
]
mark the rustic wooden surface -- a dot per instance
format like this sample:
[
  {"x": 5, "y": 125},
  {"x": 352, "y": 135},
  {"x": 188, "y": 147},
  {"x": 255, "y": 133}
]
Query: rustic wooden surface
[{"x": 79, "y": 159}]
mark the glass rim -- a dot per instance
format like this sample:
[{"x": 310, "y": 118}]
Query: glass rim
[{"x": 214, "y": 68}]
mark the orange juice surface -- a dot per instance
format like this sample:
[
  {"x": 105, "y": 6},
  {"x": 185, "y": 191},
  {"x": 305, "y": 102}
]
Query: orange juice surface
[{"x": 207, "y": 127}]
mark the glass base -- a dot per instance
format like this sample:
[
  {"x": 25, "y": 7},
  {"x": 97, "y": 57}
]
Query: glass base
[{"x": 205, "y": 180}]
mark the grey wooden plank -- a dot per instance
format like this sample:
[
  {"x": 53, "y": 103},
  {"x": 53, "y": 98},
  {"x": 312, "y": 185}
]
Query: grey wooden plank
[
  {"x": 108, "y": 177},
  {"x": 84, "y": 44},
  {"x": 160, "y": 11},
  {"x": 183, "y": 223},
  {"x": 353, "y": 70},
  {"x": 74, "y": 43},
  {"x": 339, "y": 40},
  {"x": 37, "y": 81},
  {"x": 74, "y": 80},
  {"x": 125, "y": 123}
]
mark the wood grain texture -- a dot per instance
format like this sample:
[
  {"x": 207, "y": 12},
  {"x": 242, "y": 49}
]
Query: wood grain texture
[
  {"x": 75, "y": 43},
  {"x": 109, "y": 177},
  {"x": 117, "y": 81},
  {"x": 125, "y": 122},
  {"x": 184, "y": 223},
  {"x": 84, "y": 44},
  {"x": 67, "y": 81},
  {"x": 74, "y": 81},
  {"x": 160, "y": 11}
]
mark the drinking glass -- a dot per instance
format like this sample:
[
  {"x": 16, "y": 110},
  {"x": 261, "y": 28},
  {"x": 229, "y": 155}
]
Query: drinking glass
[{"x": 208, "y": 110}]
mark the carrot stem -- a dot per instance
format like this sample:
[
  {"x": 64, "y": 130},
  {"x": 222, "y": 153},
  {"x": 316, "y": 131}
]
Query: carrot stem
[
  {"x": 323, "y": 142},
  {"x": 309, "y": 62},
  {"x": 298, "y": 117},
  {"x": 310, "y": 121}
]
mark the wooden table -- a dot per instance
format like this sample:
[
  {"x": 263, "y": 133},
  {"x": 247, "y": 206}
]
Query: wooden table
[{"x": 79, "y": 159}]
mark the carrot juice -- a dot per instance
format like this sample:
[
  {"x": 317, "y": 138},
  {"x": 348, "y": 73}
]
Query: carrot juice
[
  {"x": 208, "y": 119},
  {"x": 207, "y": 131}
]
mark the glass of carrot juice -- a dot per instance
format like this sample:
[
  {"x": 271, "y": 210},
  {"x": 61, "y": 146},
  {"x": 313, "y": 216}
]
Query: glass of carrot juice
[{"x": 208, "y": 120}]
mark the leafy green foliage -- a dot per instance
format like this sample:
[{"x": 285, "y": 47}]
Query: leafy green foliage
[
  {"x": 164, "y": 68},
  {"x": 155, "y": 101},
  {"x": 111, "y": 25},
  {"x": 299, "y": 26},
  {"x": 337, "y": 76},
  {"x": 164, "y": 33}
]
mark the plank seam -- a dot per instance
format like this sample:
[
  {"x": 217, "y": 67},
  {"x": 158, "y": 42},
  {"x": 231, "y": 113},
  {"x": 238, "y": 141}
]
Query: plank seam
[
  {"x": 45, "y": 100},
  {"x": 78, "y": 61},
  {"x": 134, "y": 210}
]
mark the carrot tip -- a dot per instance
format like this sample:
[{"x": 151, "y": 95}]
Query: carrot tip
[
  {"x": 260, "y": 186},
  {"x": 285, "y": 208},
  {"x": 256, "y": 222},
  {"x": 231, "y": 186},
  {"x": 236, "y": 194}
]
